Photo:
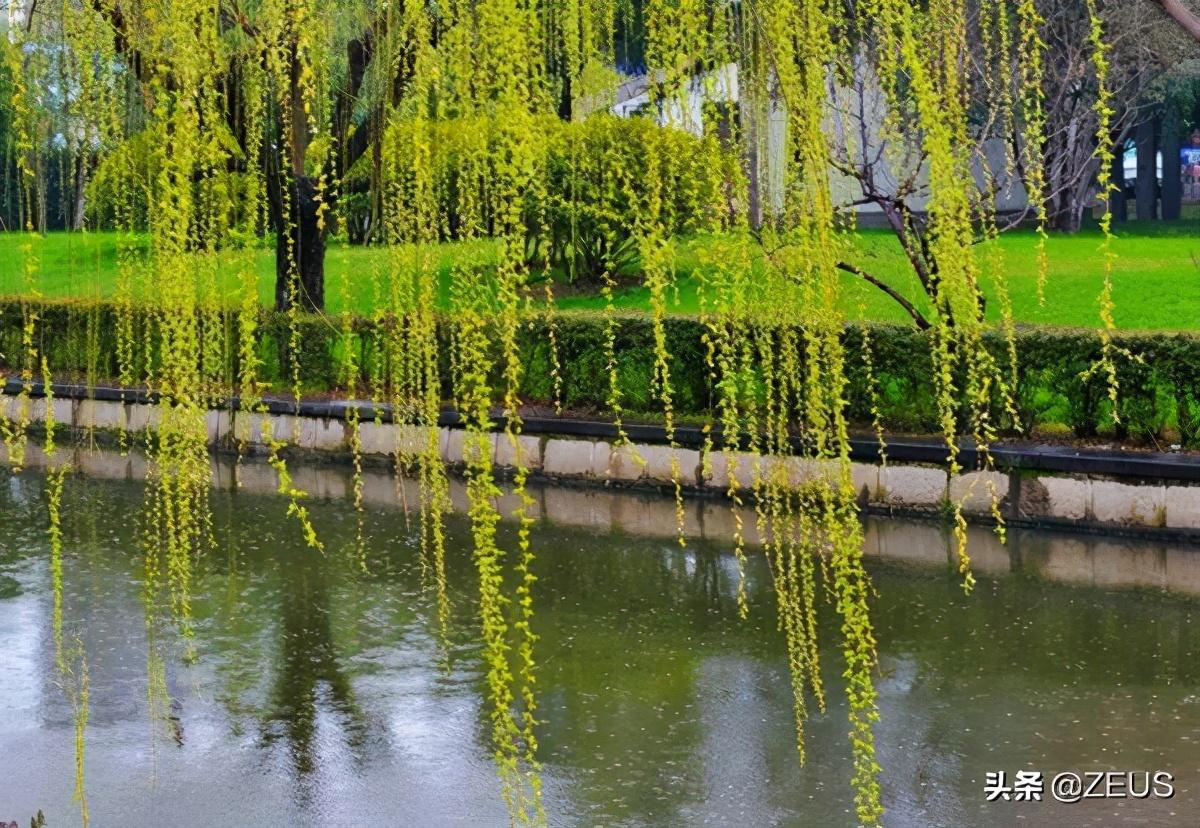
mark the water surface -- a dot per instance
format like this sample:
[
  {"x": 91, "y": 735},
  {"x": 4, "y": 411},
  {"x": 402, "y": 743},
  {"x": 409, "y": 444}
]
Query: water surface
[{"x": 321, "y": 692}]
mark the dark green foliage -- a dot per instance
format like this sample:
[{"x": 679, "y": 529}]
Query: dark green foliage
[
  {"x": 1159, "y": 373},
  {"x": 1054, "y": 384},
  {"x": 584, "y": 364}
]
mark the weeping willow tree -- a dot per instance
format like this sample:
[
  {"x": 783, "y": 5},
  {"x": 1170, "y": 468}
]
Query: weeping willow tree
[{"x": 217, "y": 122}]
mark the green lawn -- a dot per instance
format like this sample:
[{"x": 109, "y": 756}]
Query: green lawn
[
  {"x": 85, "y": 265},
  {"x": 1156, "y": 277}
]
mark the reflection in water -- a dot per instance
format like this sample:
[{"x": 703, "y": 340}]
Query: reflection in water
[
  {"x": 323, "y": 694},
  {"x": 309, "y": 673}
]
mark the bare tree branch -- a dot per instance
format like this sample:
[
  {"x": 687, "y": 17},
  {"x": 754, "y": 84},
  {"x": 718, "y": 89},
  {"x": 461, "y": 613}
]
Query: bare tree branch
[
  {"x": 917, "y": 317},
  {"x": 1182, "y": 15}
]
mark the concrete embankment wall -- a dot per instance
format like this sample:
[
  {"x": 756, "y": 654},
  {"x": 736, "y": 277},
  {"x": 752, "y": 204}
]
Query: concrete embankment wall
[
  {"x": 1128, "y": 493},
  {"x": 1095, "y": 559}
]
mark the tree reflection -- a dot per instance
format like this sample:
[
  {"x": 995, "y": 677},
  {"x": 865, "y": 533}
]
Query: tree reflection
[{"x": 309, "y": 675}]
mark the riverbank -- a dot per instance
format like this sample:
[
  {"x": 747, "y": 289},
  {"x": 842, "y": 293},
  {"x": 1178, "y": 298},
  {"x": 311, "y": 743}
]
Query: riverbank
[{"x": 1115, "y": 492}]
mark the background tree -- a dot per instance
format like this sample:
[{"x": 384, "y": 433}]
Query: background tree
[
  {"x": 1184, "y": 15},
  {"x": 291, "y": 110},
  {"x": 1147, "y": 50},
  {"x": 1044, "y": 175}
]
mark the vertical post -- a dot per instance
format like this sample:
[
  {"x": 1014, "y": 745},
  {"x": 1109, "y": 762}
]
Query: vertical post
[
  {"x": 754, "y": 174},
  {"x": 1172, "y": 164},
  {"x": 1146, "y": 190}
]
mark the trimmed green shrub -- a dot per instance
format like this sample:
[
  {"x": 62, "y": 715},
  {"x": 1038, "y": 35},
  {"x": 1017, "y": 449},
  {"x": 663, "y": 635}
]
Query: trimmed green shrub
[{"x": 1159, "y": 373}]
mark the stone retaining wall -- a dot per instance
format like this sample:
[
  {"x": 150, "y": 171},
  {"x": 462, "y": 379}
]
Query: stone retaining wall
[
  {"x": 1099, "y": 560},
  {"x": 1133, "y": 506}
]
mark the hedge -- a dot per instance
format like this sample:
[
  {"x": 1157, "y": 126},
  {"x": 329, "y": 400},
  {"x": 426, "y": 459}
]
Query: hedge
[{"x": 1159, "y": 372}]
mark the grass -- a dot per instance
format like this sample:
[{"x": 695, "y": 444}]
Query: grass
[
  {"x": 84, "y": 265},
  {"x": 1156, "y": 278}
]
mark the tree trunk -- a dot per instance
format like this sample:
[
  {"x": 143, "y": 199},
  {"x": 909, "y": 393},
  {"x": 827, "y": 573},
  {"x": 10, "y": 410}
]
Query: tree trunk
[
  {"x": 1147, "y": 171},
  {"x": 43, "y": 197},
  {"x": 1066, "y": 215},
  {"x": 78, "y": 209},
  {"x": 300, "y": 249},
  {"x": 1172, "y": 166},
  {"x": 1184, "y": 16}
]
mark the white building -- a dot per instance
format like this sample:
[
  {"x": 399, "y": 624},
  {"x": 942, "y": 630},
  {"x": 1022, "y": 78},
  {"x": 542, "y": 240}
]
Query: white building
[{"x": 767, "y": 147}]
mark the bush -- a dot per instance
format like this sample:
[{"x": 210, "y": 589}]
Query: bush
[
  {"x": 598, "y": 187},
  {"x": 1159, "y": 373},
  {"x": 595, "y": 184}
]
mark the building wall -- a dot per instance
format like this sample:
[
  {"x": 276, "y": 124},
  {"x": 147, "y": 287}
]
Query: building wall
[{"x": 768, "y": 144}]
